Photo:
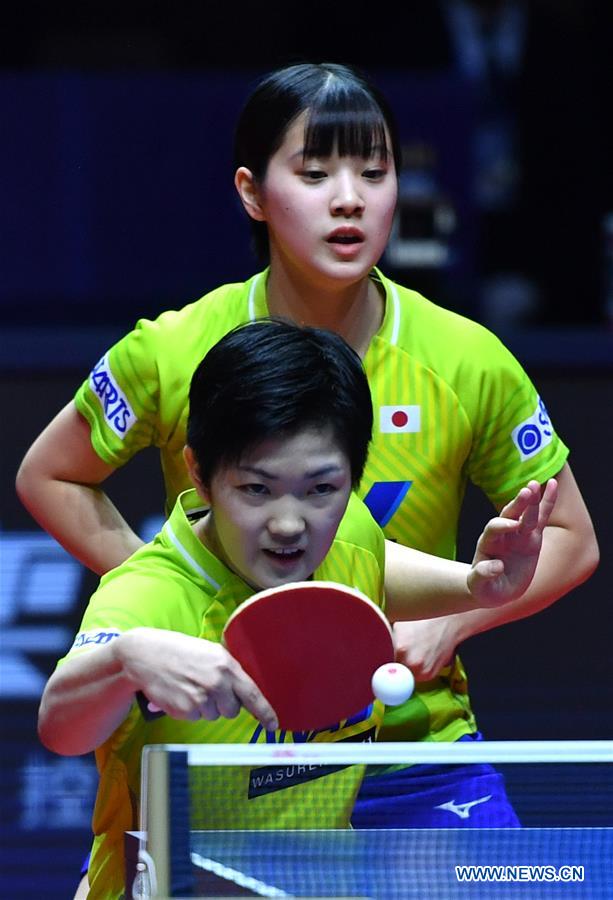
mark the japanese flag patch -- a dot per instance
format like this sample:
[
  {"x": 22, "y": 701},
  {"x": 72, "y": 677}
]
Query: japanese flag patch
[{"x": 399, "y": 419}]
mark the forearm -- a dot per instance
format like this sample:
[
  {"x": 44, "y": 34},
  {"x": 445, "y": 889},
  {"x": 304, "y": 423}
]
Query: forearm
[
  {"x": 59, "y": 483},
  {"x": 418, "y": 585},
  {"x": 88, "y": 697},
  {"x": 84, "y": 701},
  {"x": 82, "y": 519}
]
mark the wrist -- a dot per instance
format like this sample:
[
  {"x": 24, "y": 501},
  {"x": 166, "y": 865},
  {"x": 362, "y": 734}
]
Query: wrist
[
  {"x": 125, "y": 650},
  {"x": 460, "y": 625}
]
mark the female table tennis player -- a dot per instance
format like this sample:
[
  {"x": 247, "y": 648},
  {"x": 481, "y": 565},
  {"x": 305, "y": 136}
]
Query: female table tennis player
[{"x": 278, "y": 431}]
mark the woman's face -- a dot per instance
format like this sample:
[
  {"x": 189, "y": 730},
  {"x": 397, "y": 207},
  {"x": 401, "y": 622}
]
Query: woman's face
[
  {"x": 275, "y": 513},
  {"x": 328, "y": 218}
]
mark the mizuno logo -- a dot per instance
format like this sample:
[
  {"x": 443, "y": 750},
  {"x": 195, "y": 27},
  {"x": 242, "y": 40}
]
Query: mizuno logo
[{"x": 462, "y": 810}]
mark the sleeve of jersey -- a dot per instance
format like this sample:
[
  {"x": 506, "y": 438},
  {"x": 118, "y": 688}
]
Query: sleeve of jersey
[
  {"x": 513, "y": 437},
  {"x": 130, "y": 598},
  {"x": 120, "y": 397}
]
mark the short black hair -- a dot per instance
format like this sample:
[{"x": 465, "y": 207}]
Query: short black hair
[
  {"x": 344, "y": 111},
  {"x": 272, "y": 378}
]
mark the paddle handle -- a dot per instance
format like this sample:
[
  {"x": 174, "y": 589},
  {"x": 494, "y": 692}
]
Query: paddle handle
[{"x": 145, "y": 707}]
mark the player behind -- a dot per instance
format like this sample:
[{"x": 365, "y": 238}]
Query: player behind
[{"x": 279, "y": 426}]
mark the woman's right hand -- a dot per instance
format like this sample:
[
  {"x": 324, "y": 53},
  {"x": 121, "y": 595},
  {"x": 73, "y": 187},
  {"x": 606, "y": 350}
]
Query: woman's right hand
[{"x": 190, "y": 678}]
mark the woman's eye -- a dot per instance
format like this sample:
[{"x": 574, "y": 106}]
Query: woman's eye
[
  {"x": 313, "y": 174},
  {"x": 254, "y": 490},
  {"x": 322, "y": 489},
  {"x": 374, "y": 174}
]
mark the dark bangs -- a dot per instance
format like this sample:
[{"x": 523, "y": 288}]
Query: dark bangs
[
  {"x": 344, "y": 118},
  {"x": 343, "y": 111}
]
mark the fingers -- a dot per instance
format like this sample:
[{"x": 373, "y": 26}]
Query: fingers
[
  {"x": 220, "y": 703},
  {"x": 207, "y": 709},
  {"x": 548, "y": 501},
  {"x": 539, "y": 507},
  {"x": 533, "y": 505},
  {"x": 426, "y": 647},
  {"x": 488, "y": 585},
  {"x": 488, "y": 568},
  {"x": 198, "y": 679},
  {"x": 226, "y": 700},
  {"x": 528, "y": 496},
  {"x": 427, "y": 669},
  {"x": 233, "y": 689},
  {"x": 255, "y": 702},
  {"x": 507, "y": 552},
  {"x": 492, "y": 540}
]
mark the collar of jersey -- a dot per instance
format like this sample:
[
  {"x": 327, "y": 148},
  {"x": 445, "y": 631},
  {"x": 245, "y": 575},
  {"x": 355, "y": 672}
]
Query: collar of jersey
[
  {"x": 258, "y": 307},
  {"x": 256, "y": 298},
  {"x": 199, "y": 559}
]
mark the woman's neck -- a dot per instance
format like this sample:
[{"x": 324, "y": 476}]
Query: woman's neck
[{"x": 354, "y": 311}]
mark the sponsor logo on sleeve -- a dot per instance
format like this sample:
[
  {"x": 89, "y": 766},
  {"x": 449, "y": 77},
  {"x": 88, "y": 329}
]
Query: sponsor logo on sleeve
[
  {"x": 399, "y": 419},
  {"x": 117, "y": 411},
  {"x": 93, "y": 638},
  {"x": 531, "y": 436}
]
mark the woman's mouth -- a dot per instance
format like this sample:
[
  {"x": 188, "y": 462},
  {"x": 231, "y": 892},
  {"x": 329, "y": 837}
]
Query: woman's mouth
[
  {"x": 284, "y": 555},
  {"x": 346, "y": 235},
  {"x": 346, "y": 242}
]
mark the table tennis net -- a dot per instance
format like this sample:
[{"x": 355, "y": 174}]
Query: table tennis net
[{"x": 226, "y": 820}]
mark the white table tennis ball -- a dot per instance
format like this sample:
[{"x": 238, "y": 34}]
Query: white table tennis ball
[{"x": 393, "y": 683}]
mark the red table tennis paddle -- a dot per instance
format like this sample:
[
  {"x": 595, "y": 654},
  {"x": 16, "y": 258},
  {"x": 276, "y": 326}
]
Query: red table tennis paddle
[{"x": 312, "y": 648}]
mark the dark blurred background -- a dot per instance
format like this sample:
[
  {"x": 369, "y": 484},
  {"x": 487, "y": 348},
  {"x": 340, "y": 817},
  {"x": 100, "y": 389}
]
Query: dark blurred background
[
  {"x": 118, "y": 119},
  {"x": 117, "y": 202}
]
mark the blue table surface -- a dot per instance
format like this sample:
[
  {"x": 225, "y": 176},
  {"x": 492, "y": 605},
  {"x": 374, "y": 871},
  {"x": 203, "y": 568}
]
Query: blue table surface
[{"x": 412, "y": 863}]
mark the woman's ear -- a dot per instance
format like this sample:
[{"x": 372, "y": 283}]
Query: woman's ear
[
  {"x": 249, "y": 192},
  {"x": 193, "y": 470}
]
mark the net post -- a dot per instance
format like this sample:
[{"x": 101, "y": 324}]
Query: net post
[
  {"x": 165, "y": 822},
  {"x": 155, "y": 816}
]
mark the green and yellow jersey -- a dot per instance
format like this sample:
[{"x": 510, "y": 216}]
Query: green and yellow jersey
[
  {"x": 175, "y": 583},
  {"x": 137, "y": 394},
  {"x": 451, "y": 405}
]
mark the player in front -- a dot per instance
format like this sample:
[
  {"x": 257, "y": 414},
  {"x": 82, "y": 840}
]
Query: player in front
[{"x": 278, "y": 431}]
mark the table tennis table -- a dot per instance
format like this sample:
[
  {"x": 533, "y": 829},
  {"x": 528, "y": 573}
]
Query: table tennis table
[
  {"x": 380, "y": 864},
  {"x": 403, "y": 864}
]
